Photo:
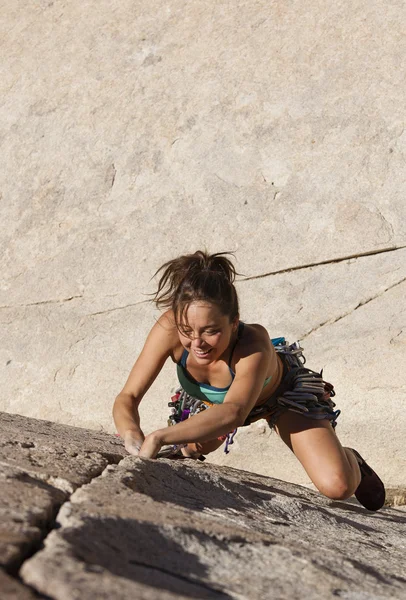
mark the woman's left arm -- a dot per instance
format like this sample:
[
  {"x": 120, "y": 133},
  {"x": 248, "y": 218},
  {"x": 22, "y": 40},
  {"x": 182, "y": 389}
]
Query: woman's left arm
[{"x": 219, "y": 419}]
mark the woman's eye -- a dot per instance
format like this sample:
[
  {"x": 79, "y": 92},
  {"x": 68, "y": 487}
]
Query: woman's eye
[{"x": 189, "y": 333}]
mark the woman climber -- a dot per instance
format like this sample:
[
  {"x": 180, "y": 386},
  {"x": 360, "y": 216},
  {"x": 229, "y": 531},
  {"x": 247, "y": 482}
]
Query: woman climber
[{"x": 231, "y": 374}]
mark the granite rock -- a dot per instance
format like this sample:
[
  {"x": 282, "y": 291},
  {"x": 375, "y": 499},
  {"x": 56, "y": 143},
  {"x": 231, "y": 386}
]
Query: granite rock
[
  {"x": 41, "y": 464},
  {"x": 133, "y": 132},
  {"x": 27, "y": 510},
  {"x": 124, "y": 126},
  {"x": 12, "y": 589},
  {"x": 65, "y": 457},
  {"x": 184, "y": 529},
  {"x": 179, "y": 529}
]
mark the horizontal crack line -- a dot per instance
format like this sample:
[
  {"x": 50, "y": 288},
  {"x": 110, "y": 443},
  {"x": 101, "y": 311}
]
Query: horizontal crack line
[
  {"x": 101, "y": 312},
  {"x": 42, "y": 302},
  {"x": 325, "y": 262},
  {"x": 332, "y": 321},
  {"x": 109, "y": 310}
]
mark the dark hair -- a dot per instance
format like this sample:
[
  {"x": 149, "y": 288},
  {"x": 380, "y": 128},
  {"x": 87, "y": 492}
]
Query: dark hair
[{"x": 199, "y": 276}]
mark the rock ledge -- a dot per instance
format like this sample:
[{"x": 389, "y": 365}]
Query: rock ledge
[{"x": 106, "y": 526}]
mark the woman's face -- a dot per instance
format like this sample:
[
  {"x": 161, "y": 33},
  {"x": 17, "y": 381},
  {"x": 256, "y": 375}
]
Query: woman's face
[{"x": 206, "y": 332}]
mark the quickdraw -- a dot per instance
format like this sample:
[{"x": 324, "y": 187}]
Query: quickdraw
[{"x": 182, "y": 406}]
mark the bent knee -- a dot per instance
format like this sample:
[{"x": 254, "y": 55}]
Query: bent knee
[
  {"x": 191, "y": 451},
  {"x": 335, "y": 488},
  {"x": 195, "y": 450}
]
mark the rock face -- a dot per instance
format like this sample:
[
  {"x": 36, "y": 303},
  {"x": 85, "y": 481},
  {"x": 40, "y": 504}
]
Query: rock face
[
  {"x": 41, "y": 464},
  {"x": 181, "y": 529},
  {"x": 132, "y": 132}
]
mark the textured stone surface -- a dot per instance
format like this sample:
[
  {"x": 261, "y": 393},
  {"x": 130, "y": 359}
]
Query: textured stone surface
[
  {"x": 170, "y": 529},
  {"x": 11, "y": 589},
  {"x": 41, "y": 464},
  {"x": 132, "y": 132},
  {"x": 180, "y": 529},
  {"x": 65, "y": 457},
  {"x": 249, "y": 119},
  {"x": 28, "y": 508}
]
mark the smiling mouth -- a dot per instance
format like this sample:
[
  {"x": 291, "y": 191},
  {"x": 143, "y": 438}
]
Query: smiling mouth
[{"x": 202, "y": 354}]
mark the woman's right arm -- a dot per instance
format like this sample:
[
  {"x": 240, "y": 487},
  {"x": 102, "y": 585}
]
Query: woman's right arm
[{"x": 158, "y": 346}]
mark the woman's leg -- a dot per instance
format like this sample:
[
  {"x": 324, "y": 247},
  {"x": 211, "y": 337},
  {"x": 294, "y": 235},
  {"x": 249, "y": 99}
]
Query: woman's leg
[
  {"x": 333, "y": 469},
  {"x": 196, "y": 450}
]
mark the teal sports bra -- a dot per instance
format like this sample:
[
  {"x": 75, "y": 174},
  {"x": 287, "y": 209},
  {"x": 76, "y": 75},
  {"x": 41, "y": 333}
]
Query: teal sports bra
[{"x": 204, "y": 391}]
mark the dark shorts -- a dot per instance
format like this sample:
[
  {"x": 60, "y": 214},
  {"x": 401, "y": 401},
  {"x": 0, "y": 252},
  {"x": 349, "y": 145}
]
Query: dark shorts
[{"x": 301, "y": 390}]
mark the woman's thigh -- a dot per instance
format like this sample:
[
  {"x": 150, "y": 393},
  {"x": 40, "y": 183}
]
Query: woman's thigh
[{"x": 319, "y": 450}]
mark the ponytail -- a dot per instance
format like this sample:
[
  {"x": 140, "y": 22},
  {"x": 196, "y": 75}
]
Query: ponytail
[{"x": 197, "y": 277}]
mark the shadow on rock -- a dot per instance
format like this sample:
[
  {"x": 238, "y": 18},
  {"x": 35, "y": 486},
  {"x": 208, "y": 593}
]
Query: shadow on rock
[
  {"x": 382, "y": 515},
  {"x": 199, "y": 489},
  {"x": 194, "y": 489},
  {"x": 144, "y": 553}
]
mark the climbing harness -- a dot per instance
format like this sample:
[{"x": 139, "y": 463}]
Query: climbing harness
[
  {"x": 301, "y": 390},
  {"x": 183, "y": 406}
]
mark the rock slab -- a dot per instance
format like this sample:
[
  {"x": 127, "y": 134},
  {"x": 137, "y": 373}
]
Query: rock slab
[
  {"x": 132, "y": 132},
  {"x": 125, "y": 527},
  {"x": 12, "y": 589},
  {"x": 177, "y": 529},
  {"x": 41, "y": 464}
]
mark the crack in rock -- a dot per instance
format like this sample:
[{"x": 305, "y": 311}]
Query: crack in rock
[
  {"x": 324, "y": 262},
  {"x": 42, "y": 302},
  {"x": 109, "y": 310},
  {"x": 56, "y": 373},
  {"x": 101, "y": 312},
  {"x": 386, "y": 223},
  {"x": 51, "y": 524},
  {"x": 227, "y": 182},
  {"x": 111, "y": 175},
  {"x": 393, "y": 340},
  {"x": 333, "y": 321}
]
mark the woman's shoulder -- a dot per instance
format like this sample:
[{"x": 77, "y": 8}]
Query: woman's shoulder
[
  {"x": 254, "y": 338},
  {"x": 254, "y": 333}
]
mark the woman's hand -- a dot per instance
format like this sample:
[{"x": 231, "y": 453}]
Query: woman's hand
[
  {"x": 133, "y": 441},
  {"x": 151, "y": 446}
]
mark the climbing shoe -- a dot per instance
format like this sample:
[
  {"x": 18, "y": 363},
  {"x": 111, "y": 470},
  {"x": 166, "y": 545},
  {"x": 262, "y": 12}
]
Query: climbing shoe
[{"x": 371, "y": 491}]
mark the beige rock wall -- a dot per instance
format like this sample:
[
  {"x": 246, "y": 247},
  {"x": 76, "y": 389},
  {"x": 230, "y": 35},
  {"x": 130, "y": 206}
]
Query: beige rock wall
[{"x": 132, "y": 132}]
